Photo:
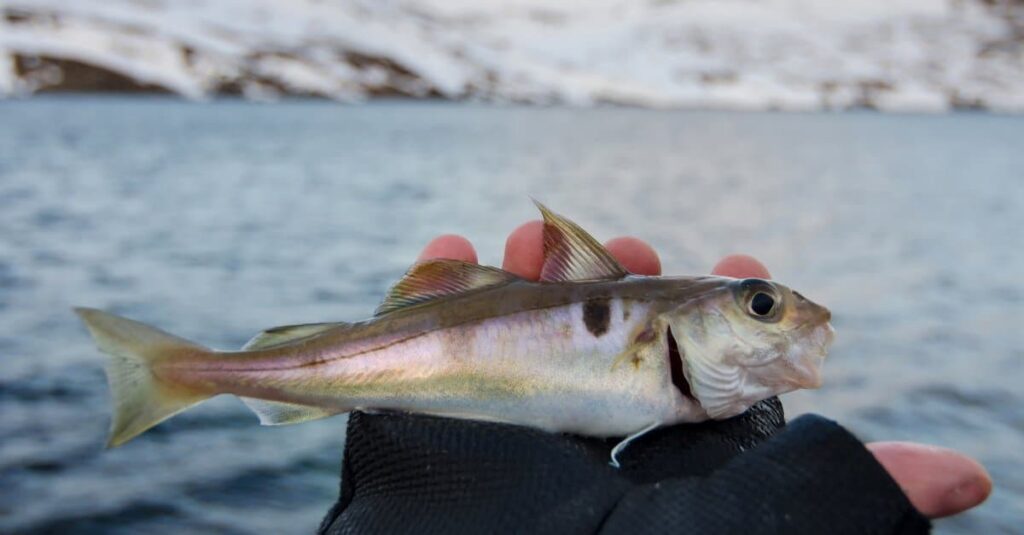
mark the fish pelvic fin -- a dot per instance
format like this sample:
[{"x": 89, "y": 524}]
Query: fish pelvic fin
[
  {"x": 140, "y": 399},
  {"x": 618, "y": 449}
]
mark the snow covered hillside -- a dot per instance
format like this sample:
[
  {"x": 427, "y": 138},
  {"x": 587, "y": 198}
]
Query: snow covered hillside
[{"x": 917, "y": 55}]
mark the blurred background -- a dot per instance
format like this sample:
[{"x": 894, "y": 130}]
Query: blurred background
[{"x": 219, "y": 167}]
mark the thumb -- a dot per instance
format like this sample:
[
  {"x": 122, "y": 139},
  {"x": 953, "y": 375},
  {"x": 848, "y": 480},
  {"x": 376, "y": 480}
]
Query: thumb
[{"x": 938, "y": 481}]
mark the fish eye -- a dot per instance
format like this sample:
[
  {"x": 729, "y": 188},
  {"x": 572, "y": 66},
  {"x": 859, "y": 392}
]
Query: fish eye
[
  {"x": 762, "y": 304},
  {"x": 760, "y": 299}
]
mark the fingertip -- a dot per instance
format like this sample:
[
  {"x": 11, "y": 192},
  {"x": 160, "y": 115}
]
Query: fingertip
[
  {"x": 635, "y": 255},
  {"x": 524, "y": 250},
  {"x": 450, "y": 246},
  {"x": 938, "y": 481},
  {"x": 741, "y": 266}
]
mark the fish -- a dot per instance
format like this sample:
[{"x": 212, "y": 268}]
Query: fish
[{"x": 588, "y": 349}]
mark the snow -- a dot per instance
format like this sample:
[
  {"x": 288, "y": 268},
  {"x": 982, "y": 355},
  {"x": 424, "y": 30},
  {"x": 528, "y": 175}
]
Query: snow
[
  {"x": 900, "y": 55},
  {"x": 145, "y": 58}
]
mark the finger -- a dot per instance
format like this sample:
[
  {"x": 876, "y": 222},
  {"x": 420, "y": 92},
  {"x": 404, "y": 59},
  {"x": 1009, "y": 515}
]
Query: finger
[
  {"x": 449, "y": 246},
  {"x": 524, "y": 250},
  {"x": 635, "y": 255},
  {"x": 741, "y": 266},
  {"x": 938, "y": 481}
]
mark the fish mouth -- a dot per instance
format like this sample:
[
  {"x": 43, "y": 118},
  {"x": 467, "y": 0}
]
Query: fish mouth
[
  {"x": 807, "y": 354},
  {"x": 675, "y": 365}
]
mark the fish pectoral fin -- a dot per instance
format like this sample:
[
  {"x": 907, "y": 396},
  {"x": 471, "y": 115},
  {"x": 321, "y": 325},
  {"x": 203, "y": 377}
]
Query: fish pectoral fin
[
  {"x": 282, "y": 413},
  {"x": 288, "y": 333},
  {"x": 571, "y": 254},
  {"x": 440, "y": 277}
]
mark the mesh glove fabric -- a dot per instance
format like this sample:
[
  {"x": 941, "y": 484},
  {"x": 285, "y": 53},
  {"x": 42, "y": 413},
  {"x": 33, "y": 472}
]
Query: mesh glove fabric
[{"x": 750, "y": 474}]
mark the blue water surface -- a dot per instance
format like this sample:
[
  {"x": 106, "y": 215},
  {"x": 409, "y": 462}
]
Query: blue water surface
[{"x": 216, "y": 220}]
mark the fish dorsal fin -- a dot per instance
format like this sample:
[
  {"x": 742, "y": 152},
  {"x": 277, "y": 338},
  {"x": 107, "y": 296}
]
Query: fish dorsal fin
[
  {"x": 288, "y": 333},
  {"x": 440, "y": 277},
  {"x": 570, "y": 254}
]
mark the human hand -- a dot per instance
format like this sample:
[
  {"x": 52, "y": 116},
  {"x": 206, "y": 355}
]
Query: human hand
[{"x": 938, "y": 481}]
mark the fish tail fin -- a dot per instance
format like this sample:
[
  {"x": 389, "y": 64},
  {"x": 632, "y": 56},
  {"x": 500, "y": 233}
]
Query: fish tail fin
[{"x": 141, "y": 400}]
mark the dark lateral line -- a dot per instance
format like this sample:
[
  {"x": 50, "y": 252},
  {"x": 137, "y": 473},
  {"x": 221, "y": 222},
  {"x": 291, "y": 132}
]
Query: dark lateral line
[{"x": 675, "y": 362}]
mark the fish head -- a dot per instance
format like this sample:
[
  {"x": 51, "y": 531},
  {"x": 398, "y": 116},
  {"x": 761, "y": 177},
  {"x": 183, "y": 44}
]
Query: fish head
[{"x": 752, "y": 340}]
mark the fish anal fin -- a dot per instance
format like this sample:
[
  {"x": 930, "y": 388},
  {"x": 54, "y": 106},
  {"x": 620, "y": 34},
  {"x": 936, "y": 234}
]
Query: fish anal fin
[
  {"x": 288, "y": 333},
  {"x": 436, "y": 278},
  {"x": 571, "y": 254},
  {"x": 282, "y": 413}
]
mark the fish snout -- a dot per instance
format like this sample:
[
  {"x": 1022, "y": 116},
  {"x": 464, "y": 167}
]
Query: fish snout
[{"x": 808, "y": 312}]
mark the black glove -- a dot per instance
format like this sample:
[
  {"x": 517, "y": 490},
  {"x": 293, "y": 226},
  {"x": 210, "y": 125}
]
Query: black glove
[{"x": 420, "y": 474}]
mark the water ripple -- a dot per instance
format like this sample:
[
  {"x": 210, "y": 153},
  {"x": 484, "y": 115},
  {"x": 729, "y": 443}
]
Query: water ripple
[{"x": 231, "y": 218}]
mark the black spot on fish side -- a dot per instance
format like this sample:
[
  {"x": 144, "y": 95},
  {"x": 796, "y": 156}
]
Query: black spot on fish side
[{"x": 596, "y": 314}]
